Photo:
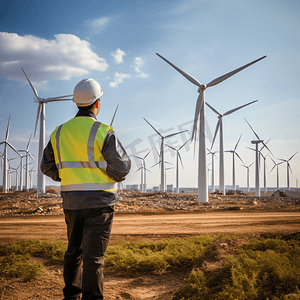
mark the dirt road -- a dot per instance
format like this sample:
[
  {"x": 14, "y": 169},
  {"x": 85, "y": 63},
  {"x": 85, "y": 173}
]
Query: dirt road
[{"x": 155, "y": 227}]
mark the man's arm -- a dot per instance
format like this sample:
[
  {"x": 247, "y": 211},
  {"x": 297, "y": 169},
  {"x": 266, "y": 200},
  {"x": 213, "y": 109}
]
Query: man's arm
[
  {"x": 118, "y": 162},
  {"x": 48, "y": 166}
]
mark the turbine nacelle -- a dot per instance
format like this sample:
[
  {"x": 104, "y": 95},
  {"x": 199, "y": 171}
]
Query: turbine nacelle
[{"x": 202, "y": 88}]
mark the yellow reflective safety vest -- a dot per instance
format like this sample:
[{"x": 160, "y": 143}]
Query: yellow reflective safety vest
[{"x": 77, "y": 146}]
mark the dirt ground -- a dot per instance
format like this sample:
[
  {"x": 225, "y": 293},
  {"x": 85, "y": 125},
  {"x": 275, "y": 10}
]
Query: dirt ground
[{"x": 150, "y": 216}]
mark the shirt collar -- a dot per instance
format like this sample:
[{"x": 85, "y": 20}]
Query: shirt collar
[{"x": 86, "y": 113}]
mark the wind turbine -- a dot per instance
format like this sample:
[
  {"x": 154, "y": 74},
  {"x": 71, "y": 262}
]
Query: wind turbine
[
  {"x": 233, "y": 162},
  {"x": 27, "y": 155},
  {"x": 200, "y": 110},
  {"x": 162, "y": 177},
  {"x": 41, "y": 114},
  {"x": 5, "y": 167},
  {"x": 178, "y": 157},
  {"x": 248, "y": 177},
  {"x": 288, "y": 169},
  {"x": 256, "y": 142},
  {"x": 143, "y": 175},
  {"x": 276, "y": 165},
  {"x": 220, "y": 125},
  {"x": 213, "y": 170},
  {"x": 265, "y": 167}
]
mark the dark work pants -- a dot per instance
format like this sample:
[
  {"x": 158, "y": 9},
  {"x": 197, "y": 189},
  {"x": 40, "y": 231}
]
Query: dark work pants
[{"x": 88, "y": 235}]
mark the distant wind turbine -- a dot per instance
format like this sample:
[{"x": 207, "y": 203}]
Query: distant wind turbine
[
  {"x": 27, "y": 155},
  {"x": 220, "y": 125},
  {"x": 288, "y": 169},
  {"x": 265, "y": 166},
  {"x": 276, "y": 165},
  {"x": 143, "y": 172},
  {"x": 200, "y": 111},
  {"x": 213, "y": 189},
  {"x": 233, "y": 162},
  {"x": 248, "y": 176},
  {"x": 162, "y": 182},
  {"x": 41, "y": 187},
  {"x": 256, "y": 142},
  {"x": 178, "y": 157},
  {"x": 5, "y": 157}
]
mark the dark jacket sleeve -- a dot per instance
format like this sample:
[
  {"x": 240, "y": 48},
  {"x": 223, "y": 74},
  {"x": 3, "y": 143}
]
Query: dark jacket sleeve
[
  {"x": 48, "y": 166},
  {"x": 118, "y": 162}
]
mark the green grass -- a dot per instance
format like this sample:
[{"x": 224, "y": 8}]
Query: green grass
[
  {"x": 267, "y": 268},
  {"x": 14, "y": 261},
  {"x": 261, "y": 270},
  {"x": 156, "y": 257}
]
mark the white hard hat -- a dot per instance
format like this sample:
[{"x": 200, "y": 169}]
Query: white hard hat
[{"x": 86, "y": 92}]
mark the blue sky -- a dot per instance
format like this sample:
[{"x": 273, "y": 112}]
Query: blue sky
[{"x": 58, "y": 43}]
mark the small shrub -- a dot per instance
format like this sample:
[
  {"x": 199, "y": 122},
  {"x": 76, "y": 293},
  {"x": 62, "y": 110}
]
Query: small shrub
[{"x": 16, "y": 265}]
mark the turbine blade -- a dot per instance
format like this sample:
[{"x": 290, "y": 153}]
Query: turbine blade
[
  {"x": 32, "y": 158},
  {"x": 186, "y": 75},
  {"x": 252, "y": 129},
  {"x": 227, "y": 75},
  {"x": 239, "y": 157},
  {"x": 169, "y": 135},
  {"x": 171, "y": 147},
  {"x": 28, "y": 143},
  {"x": 37, "y": 116},
  {"x": 237, "y": 143},
  {"x": 267, "y": 147},
  {"x": 213, "y": 109},
  {"x": 33, "y": 88},
  {"x": 183, "y": 144},
  {"x": 154, "y": 128},
  {"x": 148, "y": 153},
  {"x": 7, "y": 130},
  {"x": 292, "y": 156},
  {"x": 114, "y": 116},
  {"x": 138, "y": 169},
  {"x": 237, "y": 108},
  {"x": 13, "y": 148},
  {"x": 137, "y": 157},
  {"x": 216, "y": 131},
  {"x": 199, "y": 104},
  {"x": 155, "y": 164},
  {"x": 289, "y": 166},
  {"x": 54, "y": 99},
  {"x": 251, "y": 149},
  {"x": 264, "y": 145},
  {"x": 180, "y": 160}
]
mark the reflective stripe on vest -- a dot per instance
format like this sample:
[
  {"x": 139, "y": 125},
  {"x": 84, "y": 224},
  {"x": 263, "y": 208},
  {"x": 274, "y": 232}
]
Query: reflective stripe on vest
[{"x": 90, "y": 164}]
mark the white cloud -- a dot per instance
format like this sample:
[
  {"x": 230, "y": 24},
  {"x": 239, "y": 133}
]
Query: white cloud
[
  {"x": 99, "y": 23},
  {"x": 119, "y": 79},
  {"x": 138, "y": 64},
  {"x": 61, "y": 58},
  {"x": 118, "y": 55}
]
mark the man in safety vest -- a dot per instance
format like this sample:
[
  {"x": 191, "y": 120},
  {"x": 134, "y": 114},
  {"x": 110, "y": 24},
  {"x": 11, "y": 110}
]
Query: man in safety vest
[{"x": 88, "y": 159}]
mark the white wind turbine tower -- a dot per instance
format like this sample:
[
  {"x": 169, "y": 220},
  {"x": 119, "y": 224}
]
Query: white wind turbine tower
[
  {"x": 265, "y": 166},
  {"x": 276, "y": 165},
  {"x": 256, "y": 142},
  {"x": 220, "y": 125},
  {"x": 162, "y": 182},
  {"x": 233, "y": 163},
  {"x": 178, "y": 157},
  {"x": 200, "y": 110},
  {"x": 41, "y": 114},
  {"x": 5, "y": 157},
  {"x": 288, "y": 169},
  {"x": 213, "y": 189},
  {"x": 27, "y": 155},
  {"x": 248, "y": 176},
  {"x": 143, "y": 172}
]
